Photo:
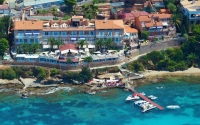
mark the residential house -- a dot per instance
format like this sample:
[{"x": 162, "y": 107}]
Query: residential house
[
  {"x": 130, "y": 36},
  {"x": 191, "y": 9},
  {"x": 5, "y": 9},
  {"x": 113, "y": 29},
  {"x": 158, "y": 25}
]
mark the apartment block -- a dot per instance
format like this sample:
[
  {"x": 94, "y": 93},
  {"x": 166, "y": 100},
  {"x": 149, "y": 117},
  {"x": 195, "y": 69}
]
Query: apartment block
[
  {"x": 113, "y": 29},
  {"x": 191, "y": 9},
  {"x": 69, "y": 31},
  {"x": 158, "y": 25}
]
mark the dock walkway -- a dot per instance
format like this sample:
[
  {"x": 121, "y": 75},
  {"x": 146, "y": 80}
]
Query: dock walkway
[{"x": 147, "y": 99}]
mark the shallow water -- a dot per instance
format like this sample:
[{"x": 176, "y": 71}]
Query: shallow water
[{"x": 109, "y": 108}]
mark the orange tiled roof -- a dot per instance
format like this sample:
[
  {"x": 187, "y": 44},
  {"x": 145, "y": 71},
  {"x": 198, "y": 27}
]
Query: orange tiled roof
[
  {"x": 109, "y": 24},
  {"x": 145, "y": 18},
  {"x": 128, "y": 29},
  {"x": 161, "y": 16},
  {"x": 28, "y": 25},
  {"x": 159, "y": 24},
  {"x": 149, "y": 24},
  {"x": 165, "y": 11}
]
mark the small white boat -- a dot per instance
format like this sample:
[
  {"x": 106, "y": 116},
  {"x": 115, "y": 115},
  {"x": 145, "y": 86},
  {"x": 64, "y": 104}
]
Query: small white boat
[
  {"x": 139, "y": 102},
  {"x": 173, "y": 106},
  {"x": 92, "y": 93},
  {"x": 152, "y": 97},
  {"x": 147, "y": 107},
  {"x": 159, "y": 87},
  {"x": 132, "y": 97}
]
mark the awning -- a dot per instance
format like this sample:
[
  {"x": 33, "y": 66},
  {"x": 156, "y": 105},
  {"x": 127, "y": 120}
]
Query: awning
[
  {"x": 159, "y": 27},
  {"x": 28, "y": 33},
  {"x": 152, "y": 27},
  {"x": 165, "y": 23},
  {"x": 82, "y": 39},
  {"x": 73, "y": 38},
  {"x": 36, "y": 33},
  {"x": 91, "y": 46}
]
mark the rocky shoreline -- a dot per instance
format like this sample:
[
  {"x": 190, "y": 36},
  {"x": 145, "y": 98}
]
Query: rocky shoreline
[{"x": 44, "y": 89}]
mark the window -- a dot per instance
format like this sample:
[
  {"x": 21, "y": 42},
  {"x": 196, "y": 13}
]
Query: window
[
  {"x": 193, "y": 15},
  {"x": 63, "y": 33}
]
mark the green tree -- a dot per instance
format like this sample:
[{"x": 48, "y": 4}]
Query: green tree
[
  {"x": 69, "y": 61},
  {"x": 88, "y": 60},
  {"x": 145, "y": 34},
  {"x": 35, "y": 46},
  {"x": 81, "y": 43},
  {"x": 52, "y": 42},
  {"x": 196, "y": 31},
  {"x": 3, "y": 46},
  {"x": 59, "y": 43},
  {"x": 155, "y": 56},
  {"x": 85, "y": 74},
  {"x": 55, "y": 11},
  {"x": 108, "y": 43},
  {"x": 54, "y": 71},
  {"x": 9, "y": 73},
  {"x": 183, "y": 31},
  {"x": 191, "y": 46},
  {"x": 191, "y": 57},
  {"x": 70, "y": 3},
  {"x": 172, "y": 7},
  {"x": 25, "y": 47},
  {"x": 2, "y": 1},
  {"x": 176, "y": 20},
  {"x": 99, "y": 43},
  {"x": 41, "y": 74},
  {"x": 138, "y": 66}
]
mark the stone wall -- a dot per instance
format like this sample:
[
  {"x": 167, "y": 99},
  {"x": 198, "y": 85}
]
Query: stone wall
[{"x": 160, "y": 45}]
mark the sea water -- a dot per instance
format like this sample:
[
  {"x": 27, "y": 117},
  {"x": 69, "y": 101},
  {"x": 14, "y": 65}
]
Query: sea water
[{"x": 104, "y": 108}]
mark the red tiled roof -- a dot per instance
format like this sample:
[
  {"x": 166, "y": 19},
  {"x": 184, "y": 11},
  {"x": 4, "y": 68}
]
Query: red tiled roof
[{"x": 68, "y": 46}]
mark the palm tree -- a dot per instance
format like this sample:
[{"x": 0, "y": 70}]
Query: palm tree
[
  {"x": 176, "y": 20},
  {"x": 81, "y": 43},
  {"x": 59, "y": 42},
  {"x": 191, "y": 57},
  {"x": 99, "y": 43},
  {"x": 51, "y": 42},
  {"x": 109, "y": 42},
  {"x": 35, "y": 46},
  {"x": 25, "y": 47}
]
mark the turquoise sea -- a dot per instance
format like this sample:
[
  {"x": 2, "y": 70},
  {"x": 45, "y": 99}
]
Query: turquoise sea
[{"x": 110, "y": 108}]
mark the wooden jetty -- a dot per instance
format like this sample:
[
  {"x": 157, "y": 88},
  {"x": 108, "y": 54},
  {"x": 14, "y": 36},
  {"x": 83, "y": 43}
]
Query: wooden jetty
[{"x": 147, "y": 99}]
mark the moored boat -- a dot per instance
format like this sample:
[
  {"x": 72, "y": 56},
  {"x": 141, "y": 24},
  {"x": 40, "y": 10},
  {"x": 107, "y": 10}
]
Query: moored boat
[
  {"x": 132, "y": 97},
  {"x": 173, "y": 106},
  {"x": 152, "y": 97}
]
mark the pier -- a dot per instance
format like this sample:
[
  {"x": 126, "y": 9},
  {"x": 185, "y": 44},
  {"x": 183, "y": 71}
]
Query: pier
[{"x": 147, "y": 99}]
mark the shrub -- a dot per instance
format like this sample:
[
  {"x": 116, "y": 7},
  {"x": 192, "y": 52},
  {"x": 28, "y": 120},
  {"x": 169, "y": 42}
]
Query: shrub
[
  {"x": 9, "y": 74},
  {"x": 41, "y": 74},
  {"x": 54, "y": 71}
]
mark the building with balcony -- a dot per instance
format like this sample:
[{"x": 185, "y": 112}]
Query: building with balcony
[
  {"x": 191, "y": 9},
  {"x": 69, "y": 31},
  {"x": 130, "y": 36},
  {"x": 113, "y": 29},
  {"x": 158, "y": 25}
]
